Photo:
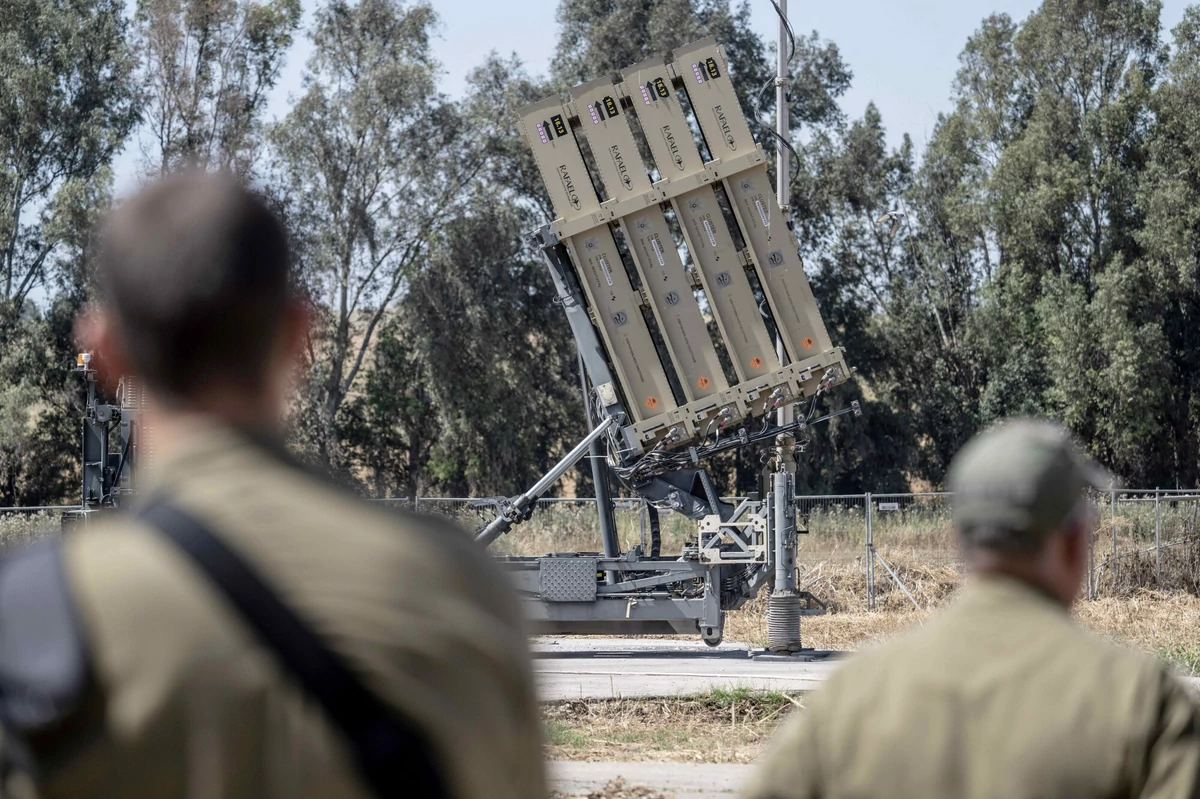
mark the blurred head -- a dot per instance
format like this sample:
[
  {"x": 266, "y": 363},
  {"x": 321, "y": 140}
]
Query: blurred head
[
  {"x": 1019, "y": 505},
  {"x": 195, "y": 299}
]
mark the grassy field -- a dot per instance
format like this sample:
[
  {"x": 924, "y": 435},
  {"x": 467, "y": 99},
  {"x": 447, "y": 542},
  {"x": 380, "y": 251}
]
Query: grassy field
[
  {"x": 917, "y": 532},
  {"x": 719, "y": 727},
  {"x": 918, "y": 543},
  {"x": 23, "y": 527},
  {"x": 1166, "y": 625}
]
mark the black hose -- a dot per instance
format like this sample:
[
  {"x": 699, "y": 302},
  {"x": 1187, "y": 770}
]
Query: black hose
[
  {"x": 714, "y": 505},
  {"x": 655, "y": 531}
]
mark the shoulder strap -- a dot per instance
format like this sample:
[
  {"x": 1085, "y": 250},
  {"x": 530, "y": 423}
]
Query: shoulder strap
[{"x": 393, "y": 754}]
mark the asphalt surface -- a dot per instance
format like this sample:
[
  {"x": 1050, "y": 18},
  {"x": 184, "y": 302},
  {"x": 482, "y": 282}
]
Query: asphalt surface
[
  {"x": 680, "y": 780},
  {"x": 613, "y": 668}
]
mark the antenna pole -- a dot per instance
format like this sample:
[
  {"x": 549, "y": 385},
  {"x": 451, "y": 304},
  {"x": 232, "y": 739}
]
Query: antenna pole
[
  {"x": 782, "y": 166},
  {"x": 783, "y": 606},
  {"x": 782, "y": 126}
]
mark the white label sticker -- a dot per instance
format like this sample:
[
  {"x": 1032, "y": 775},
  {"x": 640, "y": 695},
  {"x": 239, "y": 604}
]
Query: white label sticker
[
  {"x": 604, "y": 266},
  {"x": 762, "y": 212},
  {"x": 712, "y": 238},
  {"x": 657, "y": 250}
]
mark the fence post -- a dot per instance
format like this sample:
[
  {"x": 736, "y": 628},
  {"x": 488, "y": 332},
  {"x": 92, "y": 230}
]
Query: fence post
[
  {"x": 416, "y": 503},
  {"x": 1091, "y": 580},
  {"x": 869, "y": 563},
  {"x": 1157, "y": 541},
  {"x": 1112, "y": 518}
]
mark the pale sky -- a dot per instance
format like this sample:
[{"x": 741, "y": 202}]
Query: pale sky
[{"x": 903, "y": 54}]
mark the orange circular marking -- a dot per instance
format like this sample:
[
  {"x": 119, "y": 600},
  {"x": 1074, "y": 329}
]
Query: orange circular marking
[
  {"x": 651, "y": 402},
  {"x": 807, "y": 343},
  {"x": 703, "y": 382},
  {"x": 756, "y": 362}
]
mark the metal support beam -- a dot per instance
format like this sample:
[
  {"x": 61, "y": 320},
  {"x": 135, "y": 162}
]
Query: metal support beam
[
  {"x": 603, "y": 488},
  {"x": 515, "y": 510}
]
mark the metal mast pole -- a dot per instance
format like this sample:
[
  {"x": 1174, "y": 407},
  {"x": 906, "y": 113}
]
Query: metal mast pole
[
  {"x": 782, "y": 122},
  {"x": 782, "y": 166},
  {"x": 603, "y": 489},
  {"x": 783, "y": 606}
]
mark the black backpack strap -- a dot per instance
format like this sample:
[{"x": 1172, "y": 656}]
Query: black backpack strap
[{"x": 393, "y": 753}]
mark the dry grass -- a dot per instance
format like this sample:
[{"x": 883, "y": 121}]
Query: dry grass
[
  {"x": 1164, "y": 624},
  {"x": 18, "y": 528},
  {"x": 919, "y": 535},
  {"x": 719, "y": 727},
  {"x": 918, "y": 543}
]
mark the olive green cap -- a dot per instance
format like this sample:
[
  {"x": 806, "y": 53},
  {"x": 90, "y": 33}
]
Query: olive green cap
[{"x": 1015, "y": 483}]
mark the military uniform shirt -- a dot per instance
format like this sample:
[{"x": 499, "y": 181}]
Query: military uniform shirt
[
  {"x": 1001, "y": 697},
  {"x": 188, "y": 703}
]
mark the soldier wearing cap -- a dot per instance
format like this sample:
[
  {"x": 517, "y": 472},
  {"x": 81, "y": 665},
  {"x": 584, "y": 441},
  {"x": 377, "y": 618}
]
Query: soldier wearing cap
[
  {"x": 1002, "y": 695},
  {"x": 248, "y": 629}
]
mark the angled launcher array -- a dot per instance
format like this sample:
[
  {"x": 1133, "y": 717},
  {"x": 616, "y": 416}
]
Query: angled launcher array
[{"x": 648, "y": 309}]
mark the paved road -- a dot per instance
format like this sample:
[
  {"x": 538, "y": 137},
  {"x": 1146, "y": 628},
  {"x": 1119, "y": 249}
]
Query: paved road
[
  {"x": 614, "y": 668},
  {"x": 680, "y": 780},
  {"x": 610, "y": 668}
]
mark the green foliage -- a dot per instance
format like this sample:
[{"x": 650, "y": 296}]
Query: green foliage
[
  {"x": 41, "y": 403},
  {"x": 511, "y": 400},
  {"x": 1184, "y": 657},
  {"x": 207, "y": 67},
  {"x": 1047, "y": 263},
  {"x": 370, "y": 162},
  {"x": 1039, "y": 268},
  {"x": 66, "y": 106}
]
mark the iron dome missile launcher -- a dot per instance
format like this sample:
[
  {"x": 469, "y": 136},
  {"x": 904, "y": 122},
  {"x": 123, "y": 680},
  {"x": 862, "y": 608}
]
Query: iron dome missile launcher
[{"x": 644, "y": 254}]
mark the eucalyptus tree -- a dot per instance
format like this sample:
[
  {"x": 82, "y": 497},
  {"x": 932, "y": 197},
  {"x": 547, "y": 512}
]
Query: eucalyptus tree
[
  {"x": 67, "y": 104},
  {"x": 370, "y": 163},
  {"x": 66, "y": 107},
  {"x": 207, "y": 68}
]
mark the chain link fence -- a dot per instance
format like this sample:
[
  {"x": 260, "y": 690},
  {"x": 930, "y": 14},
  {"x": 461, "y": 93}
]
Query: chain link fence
[
  {"x": 1146, "y": 538},
  {"x": 866, "y": 550},
  {"x": 878, "y": 550}
]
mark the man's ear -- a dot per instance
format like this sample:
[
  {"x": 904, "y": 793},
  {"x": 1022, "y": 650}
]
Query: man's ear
[{"x": 96, "y": 332}]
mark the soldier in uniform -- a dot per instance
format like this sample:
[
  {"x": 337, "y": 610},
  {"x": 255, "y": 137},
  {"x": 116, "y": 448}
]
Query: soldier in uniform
[
  {"x": 1002, "y": 695},
  {"x": 249, "y": 629}
]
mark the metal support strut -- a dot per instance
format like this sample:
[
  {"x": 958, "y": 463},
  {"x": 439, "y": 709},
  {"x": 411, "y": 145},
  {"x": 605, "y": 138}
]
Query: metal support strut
[
  {"x": 603, "y": 490},
  {"x": 517, "y": 510}
]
